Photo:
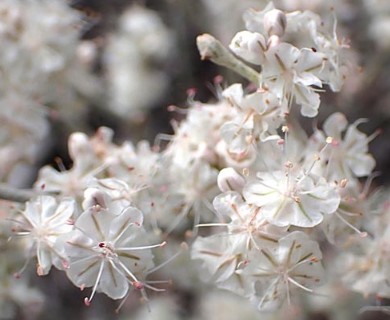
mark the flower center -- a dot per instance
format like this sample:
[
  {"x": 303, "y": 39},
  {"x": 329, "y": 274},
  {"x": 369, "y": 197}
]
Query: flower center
[{"x": 107, "y": 249}]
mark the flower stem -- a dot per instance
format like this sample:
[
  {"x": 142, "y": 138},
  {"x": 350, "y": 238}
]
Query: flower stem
[{"x": 213, "y": 50}]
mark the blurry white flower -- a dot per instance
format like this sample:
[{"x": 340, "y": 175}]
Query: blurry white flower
[
  {"x": 346, "y": 155},
  {"x": 294, "y": 265},
  {"x": 220, "y": 261},
  {"x": 134, "y": 83},
  {"x": 44, "y": 221}
]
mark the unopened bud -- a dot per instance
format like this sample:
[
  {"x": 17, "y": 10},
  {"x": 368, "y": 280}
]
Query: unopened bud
[
  {"x": 230, "y": 180},
  {"x": 275, "y": 22},
  {"x": 94, "y": 197},
  {"x": 250, "y": 46},
  {"x": 208, "y": 46},
  {"x": 78, "y": 144}
]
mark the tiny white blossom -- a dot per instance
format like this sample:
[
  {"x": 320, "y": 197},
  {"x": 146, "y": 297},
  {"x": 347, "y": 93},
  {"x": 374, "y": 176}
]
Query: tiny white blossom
[
  {"x": 44, "y": 221},
  {"x": 104, "y": 251},
  {"x": 292, "y": 199},
  {"x": 291, "y": 73},
  {"x": 293, "y": 265}
]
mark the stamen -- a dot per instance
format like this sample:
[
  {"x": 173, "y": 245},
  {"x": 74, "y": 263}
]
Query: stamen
[
  {"x": 179, "y": 218},
  {"x": 299, "y": 285},
  {"x": 288, "y": 292},
  {"x": 146, "y": 285},
  {"x": 360, "y": 233},
  {"x": 211, "y": 225},
  {"x": 87, "y": 301},
  {"x": 350, "y": 214},
  {"x": 312, "y": 259},
  {"x": 173, "y": 108},
  {"x": 273, "y": 283},
  {"x": 183, "y": 247},
  {"x": 368, "y": 183},
  {"x": 159, "y": 245},
  {"x": 128, "y": 272},
  {"x": 122, "y": 303},
  {"x": 373, "y": 135},
  {"x": 60, "y": 164}
]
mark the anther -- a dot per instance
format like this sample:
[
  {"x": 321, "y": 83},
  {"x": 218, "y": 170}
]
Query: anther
[
  {"x": 288, "y": 165},
  {"x": 40, "y": 271},
  {"x": 296, "y": 199},
  {"x": 218, "y": 79},
  {"x": 87, "y": 302},
  {"x": 343, "y": 183},
  {"x": 138, "y": 285}
]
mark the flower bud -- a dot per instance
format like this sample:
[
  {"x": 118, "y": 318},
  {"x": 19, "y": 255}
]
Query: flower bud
[
  {"x": 230, "y": 180},
  {"x": 94, "y": 197},
  {"x": 249, "y": 46},
  {"x": 207, "y": 46},
  {"x": 275, "y": 22},
  {"x": 78, "y": 145}
]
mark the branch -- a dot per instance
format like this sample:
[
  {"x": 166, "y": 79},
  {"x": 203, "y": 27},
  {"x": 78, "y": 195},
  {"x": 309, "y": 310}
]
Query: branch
[{"x": 19, "y": 195}]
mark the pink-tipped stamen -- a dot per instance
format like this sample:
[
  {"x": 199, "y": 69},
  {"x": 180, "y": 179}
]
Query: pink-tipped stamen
[{"x": 87, "y": 301}]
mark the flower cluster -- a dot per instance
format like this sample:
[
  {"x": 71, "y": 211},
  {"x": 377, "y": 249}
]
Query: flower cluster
[
  {"x": 264, "y": 204},
  {"x": 101, "y": 248},
  {"x": 288, "y": 187}
]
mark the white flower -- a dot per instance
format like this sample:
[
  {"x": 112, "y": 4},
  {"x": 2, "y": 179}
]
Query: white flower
[
  {"x": 249, "y": 46},
  {"x": 293, "y": 265},
  {"x": 348, "y": 155},
  {"x": 247, "y": 226},
  {"x": 292, "y": 199},
  {"x": 258, "y": 116},
  {"x": 44, "y": 221},
  {"x": 104, "y": 251},
  {"x": 291, "y": 72},
  {"x": 368, "y": 273},
  {"x": 220, "y": 261}
]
